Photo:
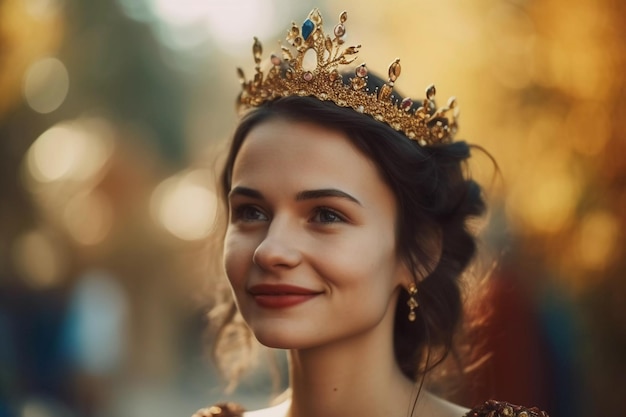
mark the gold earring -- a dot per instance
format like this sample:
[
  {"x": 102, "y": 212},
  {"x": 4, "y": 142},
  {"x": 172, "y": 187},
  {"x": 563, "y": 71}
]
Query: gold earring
[{"x": 412, "y": 303}]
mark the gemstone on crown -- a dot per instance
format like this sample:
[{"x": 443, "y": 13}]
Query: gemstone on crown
[
  {"x": 339, "y": 30},
  {"x": 307, "y": 28},
  {"x": 361, "y": 71}
]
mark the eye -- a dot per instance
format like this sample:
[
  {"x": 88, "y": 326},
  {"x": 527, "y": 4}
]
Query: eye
[
  {"x": 326, "y": 215},
  {"x": 248, "y": 213}
]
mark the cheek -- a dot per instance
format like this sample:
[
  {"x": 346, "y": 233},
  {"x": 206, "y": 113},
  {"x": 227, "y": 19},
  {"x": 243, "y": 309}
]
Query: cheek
[
  {"x": 362, "y": 267},
  {"x": 237, "y": 258},
  {"x": 364, "y": 289}
]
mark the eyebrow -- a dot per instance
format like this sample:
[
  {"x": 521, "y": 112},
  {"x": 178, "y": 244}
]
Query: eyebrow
[
  {"x": 324, "y": 193},
  {"x": 246, "y": 192},
  {"x": 302, "y": 195}
]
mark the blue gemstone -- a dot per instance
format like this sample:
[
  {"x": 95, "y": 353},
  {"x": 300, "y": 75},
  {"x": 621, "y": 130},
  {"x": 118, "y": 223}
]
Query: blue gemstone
[{"x": 307, "y": 28}]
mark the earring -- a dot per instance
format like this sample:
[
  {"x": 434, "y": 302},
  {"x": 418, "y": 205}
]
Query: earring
[{"x": 412, "y": 303}]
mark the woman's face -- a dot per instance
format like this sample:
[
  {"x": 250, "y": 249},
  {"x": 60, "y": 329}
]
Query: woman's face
[{"x": 310, "y": 246}]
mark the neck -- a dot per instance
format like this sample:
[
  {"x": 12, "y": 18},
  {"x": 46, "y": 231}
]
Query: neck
[{"x": 350, "y": 378}]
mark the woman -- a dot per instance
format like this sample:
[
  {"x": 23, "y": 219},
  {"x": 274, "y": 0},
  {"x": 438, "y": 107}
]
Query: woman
[{"x": 347, "y": 233}]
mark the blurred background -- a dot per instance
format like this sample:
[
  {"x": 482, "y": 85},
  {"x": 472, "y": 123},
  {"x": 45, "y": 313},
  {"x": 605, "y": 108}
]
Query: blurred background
[{"x": 112, "y": 114}]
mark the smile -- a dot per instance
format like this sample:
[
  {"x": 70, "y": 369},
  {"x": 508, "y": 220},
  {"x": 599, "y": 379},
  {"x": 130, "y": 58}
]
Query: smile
[{"x": 280, "y": 295}]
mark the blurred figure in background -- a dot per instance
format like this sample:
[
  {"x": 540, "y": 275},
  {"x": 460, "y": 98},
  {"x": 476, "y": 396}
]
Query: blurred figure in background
[{"x": 94, "y": 337}]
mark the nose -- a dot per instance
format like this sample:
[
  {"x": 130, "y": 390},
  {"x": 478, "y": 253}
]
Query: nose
[{"x": 278, "y": 249}]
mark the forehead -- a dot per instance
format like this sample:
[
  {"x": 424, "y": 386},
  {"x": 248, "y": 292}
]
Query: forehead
[
  {"x": 306, "y": 156},
  {"x": 278, "y": 137}
]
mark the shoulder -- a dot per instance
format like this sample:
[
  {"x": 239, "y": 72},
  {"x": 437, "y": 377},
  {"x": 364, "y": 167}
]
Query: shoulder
[{"x": 494, "y": 408}]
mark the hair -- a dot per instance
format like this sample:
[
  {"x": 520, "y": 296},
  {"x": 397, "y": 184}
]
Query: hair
[{"x": 435, "y": 200}]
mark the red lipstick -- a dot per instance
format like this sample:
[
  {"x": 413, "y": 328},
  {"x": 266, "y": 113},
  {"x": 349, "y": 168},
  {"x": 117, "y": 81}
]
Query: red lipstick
[{"x": 280, "y": 295}]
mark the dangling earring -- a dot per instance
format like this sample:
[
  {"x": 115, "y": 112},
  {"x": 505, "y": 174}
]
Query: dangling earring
[{"x": 412, "y": 303}]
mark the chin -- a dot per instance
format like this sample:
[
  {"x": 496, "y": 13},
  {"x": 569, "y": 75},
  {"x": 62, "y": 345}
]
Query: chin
[
  {"x": 276, "y": 341},
  {"x": 281, "y": 340}
]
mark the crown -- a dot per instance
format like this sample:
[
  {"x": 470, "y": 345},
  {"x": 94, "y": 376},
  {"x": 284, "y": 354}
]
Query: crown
[{"x": 314, "y": 70}]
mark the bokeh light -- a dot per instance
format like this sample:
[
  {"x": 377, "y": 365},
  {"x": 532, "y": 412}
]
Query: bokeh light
[
  {"x": 588, "y": 127},
  {"x": 32, "y": 30},
  {"x": 546, "y": 200},
  {"x": 75, "y": 150},
  {"x": 597, "y": 240},
  {"x": 88, "y": 217},
  {"x": 39, "y": 259},
  {"x": 46, "y": 84},
  {"x": 189, "y": 24},
  {"x": 184, "y": 205},
  {"x": 512, "y": 37},
  {"x": 43, "y": 9}
]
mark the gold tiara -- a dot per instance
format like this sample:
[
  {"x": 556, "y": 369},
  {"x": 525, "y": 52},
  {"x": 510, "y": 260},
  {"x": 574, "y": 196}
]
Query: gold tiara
[{"x": 314, "y": 71}]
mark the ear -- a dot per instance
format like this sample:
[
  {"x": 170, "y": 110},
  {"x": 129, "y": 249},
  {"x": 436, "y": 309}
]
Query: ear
[{"x": 404, "y": 276}]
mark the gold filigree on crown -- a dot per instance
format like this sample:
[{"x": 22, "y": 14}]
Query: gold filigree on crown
[{"x": 292, "y": 75}]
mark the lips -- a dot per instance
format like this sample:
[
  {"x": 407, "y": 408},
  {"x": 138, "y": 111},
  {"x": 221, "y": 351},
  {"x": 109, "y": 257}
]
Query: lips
[{"x": 280, "y": 295}]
